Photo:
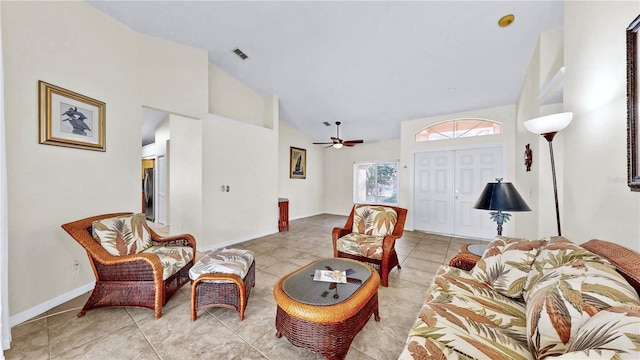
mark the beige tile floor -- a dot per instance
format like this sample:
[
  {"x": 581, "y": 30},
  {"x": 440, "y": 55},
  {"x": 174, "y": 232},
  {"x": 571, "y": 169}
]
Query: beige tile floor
[{"x": 133, "y": 333}]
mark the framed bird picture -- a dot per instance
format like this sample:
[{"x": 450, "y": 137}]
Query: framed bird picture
[{"x": 70, "y": 119}]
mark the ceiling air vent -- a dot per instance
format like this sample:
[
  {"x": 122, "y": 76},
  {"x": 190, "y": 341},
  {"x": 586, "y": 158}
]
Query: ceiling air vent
[{"x": 239, "y": 52}]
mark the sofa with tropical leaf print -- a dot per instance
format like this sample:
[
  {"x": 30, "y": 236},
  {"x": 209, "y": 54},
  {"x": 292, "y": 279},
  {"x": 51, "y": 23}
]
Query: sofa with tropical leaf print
[{"x": 533, "y": 299}]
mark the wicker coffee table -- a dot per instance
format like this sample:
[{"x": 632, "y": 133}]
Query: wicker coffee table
[{"x": 325, "y": 317}]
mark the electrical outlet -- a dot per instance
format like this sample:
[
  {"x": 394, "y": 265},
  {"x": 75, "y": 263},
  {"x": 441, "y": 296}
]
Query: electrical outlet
[{"x": 75, "y": 265}]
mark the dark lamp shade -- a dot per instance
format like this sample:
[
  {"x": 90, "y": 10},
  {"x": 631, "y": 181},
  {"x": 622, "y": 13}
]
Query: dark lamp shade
[{"x": 501, "y": 196}]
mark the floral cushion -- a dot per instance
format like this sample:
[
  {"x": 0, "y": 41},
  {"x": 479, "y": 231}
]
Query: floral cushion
[
  {"x": 506, "y": 263},
  {"x": 374, "y": 220},
  {"x": 223, "y": 261},
  {"x": 557, "y": 252},
  {"x": 464, "y": 318},
  {"x": 123, "y": 235},
  {"x": 172, "y": 258},
  {"x": 590, "y": 355},
  {"x": 421, "y": 348},
  {"x": 362, "y": 245},
  {"x": 613, "y": 331},
  {"x": 566, "y": 297}
]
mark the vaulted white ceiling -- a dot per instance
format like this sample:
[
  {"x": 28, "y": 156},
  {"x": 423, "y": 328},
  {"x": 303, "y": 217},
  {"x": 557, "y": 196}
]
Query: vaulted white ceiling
[{"x": 370, "y": 65}]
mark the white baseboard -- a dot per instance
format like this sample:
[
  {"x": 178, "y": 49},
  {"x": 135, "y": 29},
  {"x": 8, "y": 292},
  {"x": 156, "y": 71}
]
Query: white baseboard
[
  {"x": 339, "y": 214},
  {"x": 305, "y": 216},
  {"x": 31, "y": 313},
  {"x": 235, "y": 241}
]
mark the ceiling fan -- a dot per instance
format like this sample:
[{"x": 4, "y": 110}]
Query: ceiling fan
[{"x": 337, "y": 142}]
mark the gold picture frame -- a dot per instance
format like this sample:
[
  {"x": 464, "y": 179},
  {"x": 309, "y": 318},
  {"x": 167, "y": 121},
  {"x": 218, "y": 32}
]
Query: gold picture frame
[
  {"x": 297, "y": 163},
  {"x": 70, "y": 119}
]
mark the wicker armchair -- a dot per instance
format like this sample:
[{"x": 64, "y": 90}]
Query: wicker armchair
[
  {"x": 381, "y": 255},
  {"x": 134, "y": 279}
]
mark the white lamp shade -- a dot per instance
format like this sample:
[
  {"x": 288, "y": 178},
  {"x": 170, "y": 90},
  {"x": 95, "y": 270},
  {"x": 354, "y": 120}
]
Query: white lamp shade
[
  {"x": 337, "y": 145},
  {"x": 549, "y": 124}
]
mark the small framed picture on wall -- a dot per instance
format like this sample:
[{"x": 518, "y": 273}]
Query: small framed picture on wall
[{"x": 297, "y": 163}]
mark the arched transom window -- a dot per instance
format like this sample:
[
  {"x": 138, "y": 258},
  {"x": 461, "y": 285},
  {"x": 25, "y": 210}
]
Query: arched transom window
[{"x": 459, "y": 128}]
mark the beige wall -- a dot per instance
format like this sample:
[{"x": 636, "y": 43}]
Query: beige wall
[
  {"x": 167, "y": 65},
  {"x": 239, "y": 150},
  {"x": 305, "y": 195},
  {"x": 232, "y": 99},
  {"x": 51, "y": 185},
  {"x": 245, "y": 158},
  {"x": 338, "y": 171},
  {"x": 503, "y": 114},
  {"x": 186, "y": 176},
  {"x": 597, "y": 200}
]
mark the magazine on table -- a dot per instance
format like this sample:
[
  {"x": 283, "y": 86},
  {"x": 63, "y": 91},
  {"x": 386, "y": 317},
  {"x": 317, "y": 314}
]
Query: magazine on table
[{"x": 335, "y": 276}]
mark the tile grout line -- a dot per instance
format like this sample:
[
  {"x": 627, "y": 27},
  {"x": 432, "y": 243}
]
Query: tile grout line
[
  {"x": 239, "y": 335},
  {"x": 51, "y": 354},
  {"x": 155, "y": 351}
]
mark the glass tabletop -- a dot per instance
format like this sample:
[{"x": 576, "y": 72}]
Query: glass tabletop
[
  {"x": 477, "y": 249},
  {"x": 301, "y": 287}
]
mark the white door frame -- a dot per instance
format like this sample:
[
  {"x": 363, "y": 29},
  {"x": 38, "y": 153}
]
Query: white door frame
[
  {"x": 161, "y": 188},
  {"x": 506, "y": 169}
]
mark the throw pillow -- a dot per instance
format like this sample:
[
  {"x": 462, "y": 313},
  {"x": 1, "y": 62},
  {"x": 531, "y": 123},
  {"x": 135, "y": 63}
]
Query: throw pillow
[
  {"x": 568, "y": 296},
  {"x": 374, "y": 220},
  {"x": 557, "y": 252},
  {"x": 615, "y": 329},
  {"x": 506, "y": 263},
  {"x": 123, "y": 235}
]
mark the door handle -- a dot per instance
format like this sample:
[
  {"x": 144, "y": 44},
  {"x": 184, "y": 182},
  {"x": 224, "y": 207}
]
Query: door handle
[{"x": 457, "y": 197}]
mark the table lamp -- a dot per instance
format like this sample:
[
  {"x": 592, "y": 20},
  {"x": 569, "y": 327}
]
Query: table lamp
[{"x": 500, "y": 196}]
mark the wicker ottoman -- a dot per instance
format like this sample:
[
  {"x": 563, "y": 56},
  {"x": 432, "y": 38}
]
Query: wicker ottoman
[
  {"x": 324, "y": 317},
  {"x": 222, "y": 278}
]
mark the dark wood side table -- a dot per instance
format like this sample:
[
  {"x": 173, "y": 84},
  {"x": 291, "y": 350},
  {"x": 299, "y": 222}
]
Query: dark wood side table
[{"x": 283, "y": 219}]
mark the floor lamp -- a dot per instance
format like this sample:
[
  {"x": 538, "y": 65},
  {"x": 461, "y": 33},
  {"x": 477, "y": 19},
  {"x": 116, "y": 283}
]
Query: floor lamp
[{"x": 548, "y": 126}]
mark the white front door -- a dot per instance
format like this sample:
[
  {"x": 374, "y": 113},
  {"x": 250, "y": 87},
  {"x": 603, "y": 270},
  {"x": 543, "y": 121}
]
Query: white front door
[
  {"x": 474, "y": 168},
  {"x": 433, "y": 189},
  {"x": 446, "y": 186}
]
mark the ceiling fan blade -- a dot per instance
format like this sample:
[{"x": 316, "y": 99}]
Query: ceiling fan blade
[
  {"x": 351, "y": 143},
  {"x": 323, "y": 143}
]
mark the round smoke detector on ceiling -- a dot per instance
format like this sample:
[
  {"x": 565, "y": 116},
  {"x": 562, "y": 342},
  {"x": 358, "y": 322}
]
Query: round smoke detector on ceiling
[{"x": 506, "y": 20}]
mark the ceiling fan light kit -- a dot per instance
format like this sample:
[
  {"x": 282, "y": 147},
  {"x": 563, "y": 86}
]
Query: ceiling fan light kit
[{"x": 338, "y": 143}]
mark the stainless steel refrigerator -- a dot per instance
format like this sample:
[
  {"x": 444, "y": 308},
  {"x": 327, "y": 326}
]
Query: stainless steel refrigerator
[{"x": 147, "y": 189}]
